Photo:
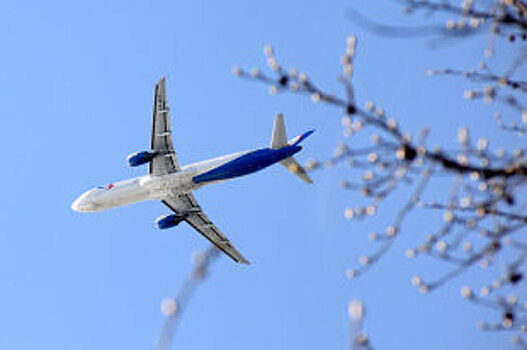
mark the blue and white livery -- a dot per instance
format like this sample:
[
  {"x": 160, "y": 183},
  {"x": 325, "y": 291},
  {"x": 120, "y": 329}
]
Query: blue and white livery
[{"x": 172, "y": 184}]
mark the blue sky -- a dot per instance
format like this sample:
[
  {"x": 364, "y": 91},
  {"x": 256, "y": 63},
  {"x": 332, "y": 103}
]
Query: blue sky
[{"x": 76, "y": 93}]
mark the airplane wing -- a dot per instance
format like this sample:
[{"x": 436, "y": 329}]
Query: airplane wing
[
  {"x": 166, "y": 162},
  {"x": 186, "y": 205}
]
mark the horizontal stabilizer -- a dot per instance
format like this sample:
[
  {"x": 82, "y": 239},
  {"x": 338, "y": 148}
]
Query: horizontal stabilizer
[
  {"x": 292, "y": 165},
  {"x": 296, "y": 140}
]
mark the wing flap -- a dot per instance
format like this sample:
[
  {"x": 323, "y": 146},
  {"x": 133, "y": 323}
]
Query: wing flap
[
  {"x": 186, "y": 205},
  {"x": 211, "y": 232}
]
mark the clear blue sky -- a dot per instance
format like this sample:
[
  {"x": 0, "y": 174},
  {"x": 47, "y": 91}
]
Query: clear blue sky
[{"x": 76, "y": 97}]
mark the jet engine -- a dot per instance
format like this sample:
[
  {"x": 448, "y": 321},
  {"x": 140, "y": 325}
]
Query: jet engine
[
  {"x": 168, "y": 221},
  {"x": 140, "y": 158}
]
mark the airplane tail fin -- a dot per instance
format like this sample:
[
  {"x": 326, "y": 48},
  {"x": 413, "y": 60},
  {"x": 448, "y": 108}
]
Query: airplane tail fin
[{"x": 279, "y": 140}]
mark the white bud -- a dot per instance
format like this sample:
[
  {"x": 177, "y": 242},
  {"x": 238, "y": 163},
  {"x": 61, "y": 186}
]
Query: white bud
[
  {"x": 392, "y": 124},
  {"x": 373, "y": 157},
  {"x": 512, "y": 299},
  {"x": 524, "y": 116},
  {"x": 500, "y": 152},
  {"x": 465, "y": 201},
  {"x": 425, "y": 248},
  {"x": 416, "y": 281},
  {"x": 268, "y": 50},
  {"x": 462, "y": 136},
  {"x": 489, "y": 52},
  {"x": 368, "y": 175},
  {"x": 370, "y": 106},
  {"x": 356, "y": 310},
  {"x": 475, "y": 22},
  {"x": 483, "y": 143},
  {"x": 469, "y": 94},
  {"x": 466, "y": 292},
  {"x": 357, "y": 125},
  {"x": 391, "y": 231},
  {"x": 448, "y": 216},
  {"x": 467, "y": 247},
  {"x": 273, "y": 63},
  {"x": 168, "y": 306},
  {"x": 441, "y": 246},
  {"x": 312, "y": 164},
  {"x": 350, "y": 273},
  {"x": 351, "y": 40},
  {"x": 236, "y": 71},
  {"x": 484, "y": 263},
  {"x": 430, "y": 72},
  {"x": 364, "y": 260},
  {"x": 462, "y": 159}
]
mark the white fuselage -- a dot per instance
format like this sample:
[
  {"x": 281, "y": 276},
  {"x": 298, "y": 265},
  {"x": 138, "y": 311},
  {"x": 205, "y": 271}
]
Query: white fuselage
[{"x": 149, "y": 187}]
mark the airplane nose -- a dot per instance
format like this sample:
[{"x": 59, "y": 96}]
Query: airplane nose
[
  {"x": 83, "y": 204},
  {"x": 77, "y": 205}
]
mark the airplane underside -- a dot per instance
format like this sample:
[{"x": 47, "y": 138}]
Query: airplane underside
[{"x": 173, "y": 185}]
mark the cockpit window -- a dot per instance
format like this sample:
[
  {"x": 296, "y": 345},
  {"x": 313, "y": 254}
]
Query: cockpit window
[{"x": 107, "y": 187}]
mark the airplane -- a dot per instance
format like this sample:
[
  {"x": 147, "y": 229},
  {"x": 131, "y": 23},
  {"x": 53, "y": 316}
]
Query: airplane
[{"x": 173, "y": 184}]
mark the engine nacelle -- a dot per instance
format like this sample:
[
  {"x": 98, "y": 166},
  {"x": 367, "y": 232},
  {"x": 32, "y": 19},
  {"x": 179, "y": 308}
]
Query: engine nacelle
[
  {"x": 168, "y": 221},
  {"x": 140, "y": 158}
]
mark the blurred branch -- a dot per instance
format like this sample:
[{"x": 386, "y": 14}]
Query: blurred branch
[
  {"x": 173, "y": 308},
  {"x": 395, "y": 32},
  {"x": 359, "y": 340},
  {"x": 485, "y": 211}
]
